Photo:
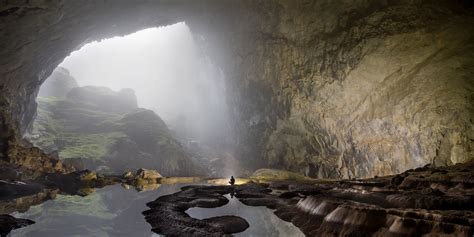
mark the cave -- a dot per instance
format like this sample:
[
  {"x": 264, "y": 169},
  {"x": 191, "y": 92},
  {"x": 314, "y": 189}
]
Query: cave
[
  {"x": 346, "y": 118},
  {"x": 151, "y": 99}
]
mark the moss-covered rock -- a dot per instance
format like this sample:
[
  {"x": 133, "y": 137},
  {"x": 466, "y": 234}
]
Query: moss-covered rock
[
  {"x": 149, "y": 143},
  {"x": 74, "y": 129},
  {"x": 84, "y": 129}
]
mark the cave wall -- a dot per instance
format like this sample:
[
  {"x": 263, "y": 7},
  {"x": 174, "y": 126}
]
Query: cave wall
[
  {"x": 358, "y": 88},
  {"x": 325, "y": 88}
]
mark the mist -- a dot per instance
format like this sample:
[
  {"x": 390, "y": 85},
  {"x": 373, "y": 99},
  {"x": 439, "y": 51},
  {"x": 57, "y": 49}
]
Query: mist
[{"x": 169, "y": 73}]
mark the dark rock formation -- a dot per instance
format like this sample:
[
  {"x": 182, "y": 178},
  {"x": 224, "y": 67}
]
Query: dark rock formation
[
  {"x": 58, "y": 84},
  {"x": 9, "y": 223},
  {"x": 167, "y": 214},
  {"x": 429, "y": 201}
]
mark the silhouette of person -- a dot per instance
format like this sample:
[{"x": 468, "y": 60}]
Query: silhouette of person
[{"x": 232, "y": 180}]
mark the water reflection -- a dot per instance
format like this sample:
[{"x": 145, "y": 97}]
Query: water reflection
[
  {"x": 116, "y": 211},
  {"x": 110, "y": 211},
  {"x": 261, "y": 219}
]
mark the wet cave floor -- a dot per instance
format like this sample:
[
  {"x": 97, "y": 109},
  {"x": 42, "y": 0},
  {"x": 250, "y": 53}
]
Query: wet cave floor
[
  {"x": 116, "y": 210},
  {"x": 428, "y": 201}
]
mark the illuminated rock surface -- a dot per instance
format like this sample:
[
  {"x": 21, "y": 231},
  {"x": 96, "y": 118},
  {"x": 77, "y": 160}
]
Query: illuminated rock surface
[{"x": 425, "y": 201}]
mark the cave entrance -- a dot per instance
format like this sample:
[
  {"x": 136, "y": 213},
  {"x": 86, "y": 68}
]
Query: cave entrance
[{"x": 152, "y": 99}]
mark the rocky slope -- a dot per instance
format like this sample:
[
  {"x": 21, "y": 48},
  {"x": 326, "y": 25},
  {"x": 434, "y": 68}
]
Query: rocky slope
[
  {"x": 99, "y": 129},
  {"x": 148, "y": 143},
  {"x": 325, "y": 88}
]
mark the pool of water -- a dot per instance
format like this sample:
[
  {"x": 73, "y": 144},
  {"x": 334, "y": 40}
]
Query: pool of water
[
  {"x": 116, "y": 211},
  {"x": 110, "y": 211},
  {"x": 262, "y": 221}
]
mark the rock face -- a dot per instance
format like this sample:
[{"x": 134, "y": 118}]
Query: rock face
[
  {"x": 97, "y": 128},
  {"x": 425, "y": 203},
  {"x": 34, "y": 162},
  {"x": 360, "y": 88},
  {"x": 327, "y": 89},
  {"x": 58, "y": 84},
  {"x": 148, "y": 143},
  {"x": 77, "y": 126}
]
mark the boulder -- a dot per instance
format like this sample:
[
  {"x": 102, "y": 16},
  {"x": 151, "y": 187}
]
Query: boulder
[
  {"x": 147, "y": 174},
  {"x": 87, "y": 176},
  {"x": 127, "y": 175}
]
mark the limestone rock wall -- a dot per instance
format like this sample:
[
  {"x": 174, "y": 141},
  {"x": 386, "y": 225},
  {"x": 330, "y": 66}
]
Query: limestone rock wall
[{"x": 359, "y": 88}]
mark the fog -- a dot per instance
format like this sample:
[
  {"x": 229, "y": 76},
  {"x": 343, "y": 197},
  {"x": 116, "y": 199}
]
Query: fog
[{"x": 169, "y": 73}]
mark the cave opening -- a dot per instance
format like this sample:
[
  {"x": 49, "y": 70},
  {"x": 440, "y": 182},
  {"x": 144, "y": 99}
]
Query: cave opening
[
  {"x": 346, "y": 118},
  {"x": 152, "y": 99}
]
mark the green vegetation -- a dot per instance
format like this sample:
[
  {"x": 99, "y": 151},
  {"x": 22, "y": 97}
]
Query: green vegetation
[
  {"x": 89, "y": 146},
  {"x": 46, "y": 128},
  {"x": 97, "y": 128},
  {"x": 75, "y": 130},
  {"x": 45, "y": 101}
]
